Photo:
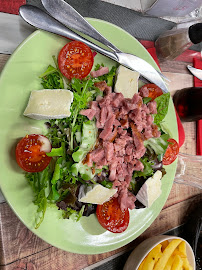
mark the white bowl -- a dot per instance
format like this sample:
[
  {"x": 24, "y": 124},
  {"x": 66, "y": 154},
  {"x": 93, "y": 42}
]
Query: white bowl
[{"x": 141, "y": 251}]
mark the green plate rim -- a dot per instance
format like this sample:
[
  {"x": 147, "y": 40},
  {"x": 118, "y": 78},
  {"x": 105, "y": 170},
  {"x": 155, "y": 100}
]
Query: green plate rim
[{"x": 128, "y": 238}]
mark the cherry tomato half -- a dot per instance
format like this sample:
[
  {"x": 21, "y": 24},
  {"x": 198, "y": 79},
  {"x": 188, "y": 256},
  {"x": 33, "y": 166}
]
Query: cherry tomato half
[
  {"x": 171, "y": 152},
  {"x": 31, "y": 153},
  {"x": 154, "y": 90},
  {"x": 111, "y": 217},
  {"x": 75, "y": 60}
]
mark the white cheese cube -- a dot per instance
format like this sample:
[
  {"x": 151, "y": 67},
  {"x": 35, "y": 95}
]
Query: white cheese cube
[
  {"x": 49, "y": 104},
  {"x": 96, "y": 194},
  {"x": 151, "y": 190},
  {"x": 126, "y": 82}
]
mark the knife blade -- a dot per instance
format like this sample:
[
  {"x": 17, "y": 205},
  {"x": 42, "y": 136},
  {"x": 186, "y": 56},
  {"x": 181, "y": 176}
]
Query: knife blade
[
  {"x": 42, "y": 20},
  {"x": 195, "y": 71}
]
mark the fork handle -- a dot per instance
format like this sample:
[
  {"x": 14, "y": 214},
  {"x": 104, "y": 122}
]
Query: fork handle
[
  {"x": 67, "y": 15},
  {"x": 40, "y": 19}
]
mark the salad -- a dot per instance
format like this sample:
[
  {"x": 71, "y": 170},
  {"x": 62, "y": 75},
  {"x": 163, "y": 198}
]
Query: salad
[{"x": 107, "y": 155}]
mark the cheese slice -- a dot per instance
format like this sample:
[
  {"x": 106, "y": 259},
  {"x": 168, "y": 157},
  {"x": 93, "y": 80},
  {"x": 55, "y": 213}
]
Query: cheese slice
[
  {"x": 151, "y": 190},
  {"x": 126, "y": 82},
  {"x": 96, "y": 194},
  {"x": 49, "y": 104}
]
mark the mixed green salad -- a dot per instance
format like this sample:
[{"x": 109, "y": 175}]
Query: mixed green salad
[{"x": 69, "y": 173}]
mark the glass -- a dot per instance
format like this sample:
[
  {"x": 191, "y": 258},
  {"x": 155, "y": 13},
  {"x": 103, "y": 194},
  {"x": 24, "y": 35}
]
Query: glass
[
  {"x": 172, "y": 43},
  {"x": 188, "y": 103},
  {"x": 189, "y": 170}
]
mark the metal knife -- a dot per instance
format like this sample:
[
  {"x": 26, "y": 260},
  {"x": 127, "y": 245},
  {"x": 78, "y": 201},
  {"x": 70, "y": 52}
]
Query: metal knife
[
  {"x": 42, "y": 20},
  {"x": 67, "y": 15},
  {"x": 195, "y": 71}
]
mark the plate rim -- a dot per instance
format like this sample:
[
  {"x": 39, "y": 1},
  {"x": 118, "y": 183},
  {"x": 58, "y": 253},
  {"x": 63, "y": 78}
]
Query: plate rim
[{"x": 129, "y": 238}]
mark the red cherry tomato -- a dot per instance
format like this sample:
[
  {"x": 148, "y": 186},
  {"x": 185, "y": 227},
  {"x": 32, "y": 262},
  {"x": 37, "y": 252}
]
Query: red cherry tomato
[
  {"x": 75, "y": 60},
  {"x": 111, "y": 217},
  {"x": 171, "y": 152},
  {"x": 31, "y": 153},
  {"x": 154, "y": 90}
]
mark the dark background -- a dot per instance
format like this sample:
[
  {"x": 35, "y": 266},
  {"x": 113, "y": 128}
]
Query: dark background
[{"x": 141, "y": 27}]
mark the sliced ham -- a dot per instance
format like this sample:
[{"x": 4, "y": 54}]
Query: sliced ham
[
  {"x": 96, "y": 155},
  {"x": 144, "y": 91},
  {"x": 123, "y": 125},
  {"x": 108, "y": 90},
  {"x": 89, "y": 113},
  {"x": 101, "y": 85},
  {"x": 106, "y": 132},
  {"x": 126, "y": 199},
  {"x": 103, "y": 116},
  {"x": 109, "y": 150},
  {"x": 101, "y": 71},
  {"x": 117, "y": 100},
  {"x": 112, "y": 169},
  {"x": 113, "y": 135},
  {"x": 152, "y": 107}
]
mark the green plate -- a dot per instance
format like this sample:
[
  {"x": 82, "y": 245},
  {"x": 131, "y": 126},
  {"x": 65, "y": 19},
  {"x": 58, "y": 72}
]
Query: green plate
[{"x": 18, "y": 79}]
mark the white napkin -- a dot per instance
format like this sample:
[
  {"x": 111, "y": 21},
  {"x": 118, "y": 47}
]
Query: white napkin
[{"x": 13, "y": 30}]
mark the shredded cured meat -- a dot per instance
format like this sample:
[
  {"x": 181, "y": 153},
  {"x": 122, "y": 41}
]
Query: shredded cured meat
[
  {"x": 101, "y": 71},
  {"x": 123, "y": 125}
]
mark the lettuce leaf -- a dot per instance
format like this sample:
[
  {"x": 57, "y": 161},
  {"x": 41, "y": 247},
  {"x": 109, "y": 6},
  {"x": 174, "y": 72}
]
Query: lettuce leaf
[
  {"x": 162, "y": 108},
  {"x": 73, "y": 214},
  {"x": 40, "y": 184},
  {"x": 159, "y": 145},
  {"x": 109, "y": 77},
  {"x": 52, "y": 79},
  {"x": 148, "y": 170},
  {"x": 86, "y": 173}
]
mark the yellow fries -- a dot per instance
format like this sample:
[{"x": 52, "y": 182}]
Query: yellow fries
[
  {"x": 177, "y": 263},
  {"x": 152, "y": 258},
  {"x": 169, "y": 263},
  {"x": 164, "y": 244},
  {"x": 182, "y": 249},
  {"x": 167, "y": 256}
]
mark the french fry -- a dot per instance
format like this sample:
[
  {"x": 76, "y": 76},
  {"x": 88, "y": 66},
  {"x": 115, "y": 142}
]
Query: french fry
[
  {"x": 177, "y": 252},
  {"x": 177, "y": 263},
  {"x": 182, "y": 249},
  {"x": 141, "y": 265},
  {"x": 152, "y": 258},
  {"x": 166, "y": 254},
  {"x": 169, "y": 263},
  {"x": 164, "y": 244},
  {"x": 186, "y": 264}
]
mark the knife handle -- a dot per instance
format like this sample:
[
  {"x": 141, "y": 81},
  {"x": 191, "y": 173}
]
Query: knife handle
[{"x": 40, "y": 19}]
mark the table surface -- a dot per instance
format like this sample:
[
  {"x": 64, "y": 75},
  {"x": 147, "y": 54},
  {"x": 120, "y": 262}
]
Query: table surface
[{"x": 21, "y": 249}]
